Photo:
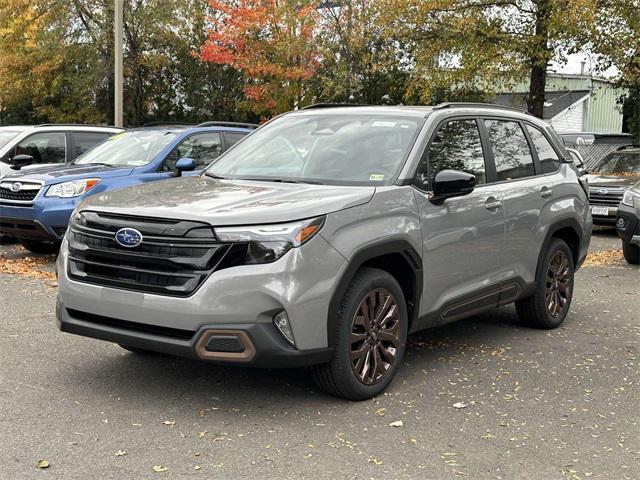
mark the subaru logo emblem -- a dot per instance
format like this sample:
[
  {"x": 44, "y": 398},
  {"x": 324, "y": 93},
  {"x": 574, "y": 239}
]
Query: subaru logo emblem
[
  {"x": 602, "y": 191},
  {"x": 128, "y": 237},
  {"x": 16, "y": 186}
]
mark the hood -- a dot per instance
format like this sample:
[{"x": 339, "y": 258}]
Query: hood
[
  {"x": 612, "y": 180},
  {"x": 68, "y": 172},
  {"x": 228, "y": 202}
]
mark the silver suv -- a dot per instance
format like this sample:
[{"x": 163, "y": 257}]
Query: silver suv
[{"x": 329, "y": 234}]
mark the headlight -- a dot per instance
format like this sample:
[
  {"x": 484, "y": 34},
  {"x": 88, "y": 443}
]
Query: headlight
[
  {"x": 267, "y": 243},
  {"x": 72, "y": 189},
  {"x": 630, "y": 197}
]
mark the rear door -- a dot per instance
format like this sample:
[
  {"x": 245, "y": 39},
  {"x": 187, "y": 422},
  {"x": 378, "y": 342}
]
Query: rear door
[{"x": 463, "y": 238}]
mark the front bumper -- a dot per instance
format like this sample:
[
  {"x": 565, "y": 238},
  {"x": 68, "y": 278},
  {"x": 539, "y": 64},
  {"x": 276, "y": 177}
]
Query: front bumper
[
  {"x": 628, "y": 224},
  {"x": 242, "y": 344},
  {"x": 45, "y": 219}
]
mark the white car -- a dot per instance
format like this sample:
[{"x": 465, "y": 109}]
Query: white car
[{"x": 37, "y": 145}]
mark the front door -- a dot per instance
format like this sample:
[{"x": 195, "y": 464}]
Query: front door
[{"x": 463, "y": 238}]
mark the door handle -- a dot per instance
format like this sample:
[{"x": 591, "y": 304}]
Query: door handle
[
  {"x": 492, "y": 203},
  {"x": 546, "y": 192}
]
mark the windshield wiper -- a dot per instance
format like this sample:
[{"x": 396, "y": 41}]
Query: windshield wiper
[
  {"x": 213, "y": 175},
  {"x": 282, "y": 180}
]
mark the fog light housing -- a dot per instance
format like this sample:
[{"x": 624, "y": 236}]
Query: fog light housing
[{"x": 281, "y": 321}]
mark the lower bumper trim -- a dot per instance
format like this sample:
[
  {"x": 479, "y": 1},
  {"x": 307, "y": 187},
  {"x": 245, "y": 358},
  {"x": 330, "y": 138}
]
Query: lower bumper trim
[{"x": 263, "y": 345}]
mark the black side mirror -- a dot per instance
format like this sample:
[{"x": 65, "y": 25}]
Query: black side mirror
[
  {"x": 185, "y": 164},
  {"x": 20, "y": 161},
  {"x": 452, "y": 183}
]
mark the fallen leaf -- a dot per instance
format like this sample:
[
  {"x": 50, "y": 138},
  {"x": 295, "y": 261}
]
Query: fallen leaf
[
  {"x": 168, "y": 422},
  {"x": 397, "y": 423},
  {"x": 381, "y": 412},
  {"x": 159, "y": 468},
  {"x": 459, "y": 405},
  {"x": 121, "y": 453},
  {"x": 43, "y": 464}
]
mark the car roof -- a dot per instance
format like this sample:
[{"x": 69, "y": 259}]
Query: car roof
[
  {"x": 191, "y": 128},
  {"x": 63, "y": 126}
]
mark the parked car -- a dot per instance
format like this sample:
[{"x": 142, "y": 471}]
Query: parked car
[
  {"x": 594, "y": 146},
  {"x": 22, "y": 146},
  {"x": 327, "y": 235},
  {"x": 35, "y": 206},
  {"x": 609, "y": 179},
  {"x": 628, "y": 224}
]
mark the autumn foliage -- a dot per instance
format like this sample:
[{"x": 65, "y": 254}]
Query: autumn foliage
[{"x": 271, "y": 43}]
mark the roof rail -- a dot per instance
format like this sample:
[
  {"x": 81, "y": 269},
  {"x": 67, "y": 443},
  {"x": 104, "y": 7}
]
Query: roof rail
[
  {"x": 444, "y": 105},
  {"x": 228, "y": 124},
  {"x": 73, "y": 125},
  {"x": 167, "y": 124},
  {"x": 333, "y": 105}
]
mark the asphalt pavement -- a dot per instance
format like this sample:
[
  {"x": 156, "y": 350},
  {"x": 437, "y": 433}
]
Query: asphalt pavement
[{"x": 483, "y": 398}]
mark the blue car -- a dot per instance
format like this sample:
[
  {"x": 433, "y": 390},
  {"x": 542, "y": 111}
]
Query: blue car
[{"x": 35, "y": 207}]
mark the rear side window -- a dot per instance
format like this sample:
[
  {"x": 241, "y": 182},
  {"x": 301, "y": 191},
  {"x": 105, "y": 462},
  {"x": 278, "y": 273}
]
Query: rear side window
[
  {"x": 510, "y": 150},
  {"x": 455, "y": 146},
  {"x": 549, "y": 160},
  {"x": 233, "y": 138},
  {"x": 46, "y": 147},
  {"x": 83, "y": 141}
]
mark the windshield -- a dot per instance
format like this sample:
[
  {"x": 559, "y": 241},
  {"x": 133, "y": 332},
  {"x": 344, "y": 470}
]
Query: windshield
[
  {"x": 619, "y": 163},
  {"x": 341, "y": 149},
  {"x": 130, "y": 149},
  {"x": 6, "y": 136}
]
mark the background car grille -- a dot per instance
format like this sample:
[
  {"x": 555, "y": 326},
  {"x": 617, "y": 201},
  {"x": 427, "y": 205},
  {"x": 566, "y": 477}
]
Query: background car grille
[
  {"x": 174, "y": 258},
  {"x": 22, "y": 195},
  {"x": 610, "y": 199}
]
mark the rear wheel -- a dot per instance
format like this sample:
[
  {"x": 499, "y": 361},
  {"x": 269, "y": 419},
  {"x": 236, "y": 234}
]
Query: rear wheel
[
  {"x": 549, "y": 305},
  {"x": 631, "y": 253},
  {"x": 39, "y": 246},
  {"x": 370, "y": 340}
]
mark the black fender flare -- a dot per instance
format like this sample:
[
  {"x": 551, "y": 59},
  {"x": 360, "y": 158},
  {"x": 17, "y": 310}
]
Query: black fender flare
[
  {"x": 552, "y": 230},
  {"x": 363, "y": 255}
]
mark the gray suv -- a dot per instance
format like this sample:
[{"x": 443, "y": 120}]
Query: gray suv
[{"x": 326, "y": 236}]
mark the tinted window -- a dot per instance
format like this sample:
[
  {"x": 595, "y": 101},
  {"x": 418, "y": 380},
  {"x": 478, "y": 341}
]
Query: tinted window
[
  {"x": 233, "y": 138},
  {"x": 548, "y": 157},
  {"x": 619, "y": 163},
  {"x": 203, "y": 148},
  {"x": 83, "y": 141},
  {"x": 510, "y": 150},
  {"x": 46, "y": 147},
  {"x": 456, "y": 146}
]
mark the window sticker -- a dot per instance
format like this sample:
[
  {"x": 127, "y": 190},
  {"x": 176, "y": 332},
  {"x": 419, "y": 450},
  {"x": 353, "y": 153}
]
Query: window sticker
[
  {"x": 376, "y": 177},
  {"x": 118, "y": 135}
]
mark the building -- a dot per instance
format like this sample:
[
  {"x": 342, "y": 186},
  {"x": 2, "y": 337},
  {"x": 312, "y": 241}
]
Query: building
[{"x": 574, "y": 103}]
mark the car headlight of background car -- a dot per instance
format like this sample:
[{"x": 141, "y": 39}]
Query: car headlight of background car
[
  {"x": 267, "y": 243},
  {"x": 72, "y": 189},
  {"x": 631, "y": 198}
]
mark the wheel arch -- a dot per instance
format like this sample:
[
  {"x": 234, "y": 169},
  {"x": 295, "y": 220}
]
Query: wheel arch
[
  {"x": 570, "y": 232},
  {"x": 398, "y": 258}
]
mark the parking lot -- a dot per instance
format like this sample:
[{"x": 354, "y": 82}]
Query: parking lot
[{"x": 484, "y": 398}]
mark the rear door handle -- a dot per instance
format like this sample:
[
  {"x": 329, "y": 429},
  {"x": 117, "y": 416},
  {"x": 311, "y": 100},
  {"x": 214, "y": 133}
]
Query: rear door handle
[
  {"x": 492, "y": 203},
  {"x": 546, "y": 192}
]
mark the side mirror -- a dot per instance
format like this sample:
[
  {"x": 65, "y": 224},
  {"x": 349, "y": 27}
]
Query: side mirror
[
  {"x": 20, "y": 161},
  {"x": 452, "y": 183},
  {"x": 185, "y": 164}
]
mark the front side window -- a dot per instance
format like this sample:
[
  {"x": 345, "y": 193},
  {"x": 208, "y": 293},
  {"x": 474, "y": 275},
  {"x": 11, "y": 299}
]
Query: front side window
[
  {"x": 45, "y": 147},
  {"x": 455, "y": 146},
  {"x": 549, "y": 160},
  {"x": 510, "y": 148},
  {"x": 619, "y": 163},
  {"x": 203, "y": 148},
  {"x": 134, "y": 148},
  {"x": 339, "y": 149}
]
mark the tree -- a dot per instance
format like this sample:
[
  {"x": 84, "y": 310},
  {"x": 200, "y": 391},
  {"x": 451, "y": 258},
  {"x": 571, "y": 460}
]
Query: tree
[{"x": 271, "y": 42}]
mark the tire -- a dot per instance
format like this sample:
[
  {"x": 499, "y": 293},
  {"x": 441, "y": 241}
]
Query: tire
[
  {"x": 139, "y": 351},
  {"x": 556, "y": 274},
  {"x": 383, "y": 348},
  {"x": 631, "y": 253},
  {"x": 38, "y": 246}
]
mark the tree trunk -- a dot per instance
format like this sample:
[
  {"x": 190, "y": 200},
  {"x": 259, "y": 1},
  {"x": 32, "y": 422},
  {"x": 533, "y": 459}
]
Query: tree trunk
[{"x": 539, "y": 59}]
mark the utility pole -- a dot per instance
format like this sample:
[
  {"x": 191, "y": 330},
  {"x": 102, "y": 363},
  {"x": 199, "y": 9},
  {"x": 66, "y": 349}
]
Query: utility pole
[{"x": 117, "y": 53}]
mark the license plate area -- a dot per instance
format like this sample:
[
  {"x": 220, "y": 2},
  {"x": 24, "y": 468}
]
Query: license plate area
[{"x": 604, "y": 211}]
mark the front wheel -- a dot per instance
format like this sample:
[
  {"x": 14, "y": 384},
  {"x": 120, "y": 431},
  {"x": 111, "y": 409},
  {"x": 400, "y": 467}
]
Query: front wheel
[
  {"x": 370, "y": 340},
  {"x": 549, "y": 305},
  {"x": 631, "y": 253},
  {"x": 40, "y": 246}
]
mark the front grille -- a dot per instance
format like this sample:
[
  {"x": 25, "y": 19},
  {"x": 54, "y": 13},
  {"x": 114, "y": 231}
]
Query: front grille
[
  {"x": 27, "y": 193},
  {"x": 610, "y": 199},
  {"x": 174, "y": 258}
]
